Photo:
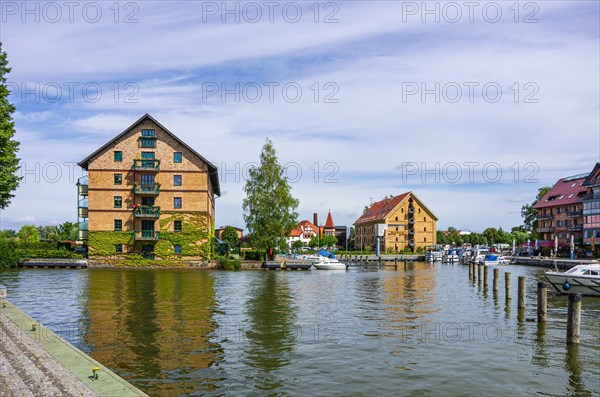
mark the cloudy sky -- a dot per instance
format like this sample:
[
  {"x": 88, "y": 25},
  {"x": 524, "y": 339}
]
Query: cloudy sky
[{"x": 472, "y": 106}]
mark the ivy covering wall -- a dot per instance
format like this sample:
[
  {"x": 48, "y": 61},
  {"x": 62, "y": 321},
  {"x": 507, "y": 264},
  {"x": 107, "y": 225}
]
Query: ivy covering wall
[{"x": 195, "y": 241}]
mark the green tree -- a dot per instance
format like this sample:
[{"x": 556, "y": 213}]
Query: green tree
[
  {"x": 9, "y": 255},
  {"x": 28, "y": 234},
  {"x": 529, "y": 214},
  {"x": 8, "y": 234},
  {"x": 328, "y": 241},
  {"x": 9, "y": 162},
  {"x": 297, "y": 244},
  {"x": 68, "y": 231},
  {"x": 314, "y": 242},
  {"x": 269, "y": 208},
  {"x": 230, "y": 236}
]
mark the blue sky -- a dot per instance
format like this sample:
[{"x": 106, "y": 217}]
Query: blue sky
[{"x": 361, "y": 119}]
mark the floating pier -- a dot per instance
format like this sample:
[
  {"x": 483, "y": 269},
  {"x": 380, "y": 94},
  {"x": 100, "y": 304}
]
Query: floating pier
[
  {"x": 34, "y": 361},
  {"x": 55, "y": 263},
  {"x": 552, "y": 263}
]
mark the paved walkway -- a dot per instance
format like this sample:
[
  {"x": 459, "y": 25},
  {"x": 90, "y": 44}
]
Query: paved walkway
[{"x": 26, "y": 369}]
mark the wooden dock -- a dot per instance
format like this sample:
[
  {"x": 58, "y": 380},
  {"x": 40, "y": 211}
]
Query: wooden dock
[
  {"x": 383, "y": 260},
  {"x": 36, "y": 362},
  {"x": 551, "y": 263},
  {"x": 54, "y": 263}
]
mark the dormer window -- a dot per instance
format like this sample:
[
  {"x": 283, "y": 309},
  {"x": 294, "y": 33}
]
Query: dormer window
[{"x": 148, "y": 139}]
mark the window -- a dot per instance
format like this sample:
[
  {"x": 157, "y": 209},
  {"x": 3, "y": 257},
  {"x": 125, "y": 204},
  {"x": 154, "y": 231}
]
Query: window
[
  {"x": 118, "y": 179},
  {"x": 147, "y": 142},
  {"x": 118, "y": 225},
  {"x": 177, "y": 157},
  {"x": 118, "y": 202},
  {"x": 118, "y": 155},
  {"x": 424, "y": 229},
  {"x": 176, "y": 180},
  {"x": 424, "y": 239},
  {"x": 118, "y": 248},
  {"x": 177, "y": 249},
  {"x": 177, "y": 202},
  {"x": 147, "y": 155},
  {"x": 148, "y": 133},
  {"x": 177, "y": 226},
  {"x": 424, "y": 219}
]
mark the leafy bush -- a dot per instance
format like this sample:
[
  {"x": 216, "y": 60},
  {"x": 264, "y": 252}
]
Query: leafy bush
[
  {"x": 255, "y": 255},
  {"x": 31, "y": 253},
  {"x": 9, "y": 256},
  {"x": 419, "y": 250},
  {"x": 229, "y": 264}
]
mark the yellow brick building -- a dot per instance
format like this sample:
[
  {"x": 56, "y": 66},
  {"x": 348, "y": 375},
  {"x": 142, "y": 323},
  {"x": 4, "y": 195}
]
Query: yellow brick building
[
  {"x": 147, "y": 194},
  {"x": 404, "y": 221}
]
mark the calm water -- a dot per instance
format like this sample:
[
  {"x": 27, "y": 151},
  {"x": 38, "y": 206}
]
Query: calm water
[{"x": 427, "y": 331}]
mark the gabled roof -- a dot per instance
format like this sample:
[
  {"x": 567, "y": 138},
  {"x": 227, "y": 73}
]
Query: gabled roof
[
  {"x": 569, "y": 190},
  {"x": 212, "y": 169},
  {"x": 329, "y": 222},
  {"x": 593, "y": 176},
  {"x": 236, "y": 228},
  {"x": 381, "y": 209}
]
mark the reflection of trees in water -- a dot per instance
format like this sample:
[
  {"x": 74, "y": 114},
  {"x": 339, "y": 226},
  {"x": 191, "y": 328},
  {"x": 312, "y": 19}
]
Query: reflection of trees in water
[
  {"x": 574, "y": 367},
  {"x": 271, "y": 332},
  {"x": 152, "y": 327}
]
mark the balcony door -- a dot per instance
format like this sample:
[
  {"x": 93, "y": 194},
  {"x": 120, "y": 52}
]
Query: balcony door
[
  {"x": 147, "y": 181},
  {"x": 150, "y": 157},
  {"x": 147, "y": 228}
]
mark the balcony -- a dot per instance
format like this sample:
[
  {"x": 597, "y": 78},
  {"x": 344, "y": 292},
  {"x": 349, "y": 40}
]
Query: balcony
[
  {"x": 574, "y": 214},
  {"x": 545, "y": 229},
  {"x": 591, "y": 197},
  {"x": 147, "y": 235},
  {"x": 146, "y": 165},
  {"x": 411, "y": 221},
  {"x": 82, "y": 235},
  {"x": 411, "y": 243},
  {"x": 544, "y": 216},
  {"x": 146, "y": 211},
  {"x": 575, "y": 228},
  {"x": 151, "y": 189},
  {"x": 411, "y": 211},
  {"x": 82, "y": 212},
  {"x": 411, "y": 232}
]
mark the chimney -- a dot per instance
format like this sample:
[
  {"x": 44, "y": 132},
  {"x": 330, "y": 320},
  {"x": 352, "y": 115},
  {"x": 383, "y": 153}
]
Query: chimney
[{"x": 316, "y": 219}]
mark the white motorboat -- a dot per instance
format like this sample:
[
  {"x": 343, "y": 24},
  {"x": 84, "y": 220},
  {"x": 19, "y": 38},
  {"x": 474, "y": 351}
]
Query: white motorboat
[
  {"x": 433, "y": 256},
  {"x": 493, "y": 259},
  {"x": 584, "y": 279},
  {"x": 324, "y": 263},
  {"x": 451, "y": 255}
]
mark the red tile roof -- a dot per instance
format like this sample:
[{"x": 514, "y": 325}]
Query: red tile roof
[
  {"x": 329, "y": 223},
  {"x": 297, "y": 232},
  {"x": 381, "y": 209},
  {"x": 566, "y": 191}
]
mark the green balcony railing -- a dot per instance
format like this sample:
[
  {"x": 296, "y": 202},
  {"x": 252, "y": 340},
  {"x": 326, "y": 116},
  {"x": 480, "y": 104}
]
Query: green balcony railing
[
  {"x": 146, "y": 188},
  {"x": 146, "y": 165},
  {"x": 149, "y": 235},
  {"x": 146, "y": 211}
]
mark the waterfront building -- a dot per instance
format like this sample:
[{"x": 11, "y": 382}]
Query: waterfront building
[
  {"x": 559, "y": 212},
  {"x": 147, "y": 194},
  {"x": 305, "y": 231},
  {"x": 402, "y": 221},
  {"x": 591, "y": 211},
  {"x": 239, "y": 231},
  {"x": 329, "y": 228}
]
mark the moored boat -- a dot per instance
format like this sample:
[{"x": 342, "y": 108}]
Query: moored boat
[
  {"x": 493, "y": 259},
  {"x": 583, "y": 279},
  {"x": 324, "y": 263}
]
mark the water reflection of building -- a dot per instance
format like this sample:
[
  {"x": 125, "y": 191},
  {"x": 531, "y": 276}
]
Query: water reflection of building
[
  {"x": 153, "y": 328},
  {"x": 408, "y": 299}
]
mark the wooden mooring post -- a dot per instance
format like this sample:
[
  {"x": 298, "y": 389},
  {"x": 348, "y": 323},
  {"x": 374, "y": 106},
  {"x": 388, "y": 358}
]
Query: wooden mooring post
[
  {"x": 485, "y": 276},
  {"x": 396, "y": 263},
  {"x": 507, "y": 285},
  {"x": 479, "y": 274},
  {"x": 521, "y": 299},
  {"x": 542, "y": 302},
  {"x": 495, "y": 280},
  {"x": 573, "y": 318},
  {"x": 405, "y": 264},
  {"x": 470, "y": 271}
]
